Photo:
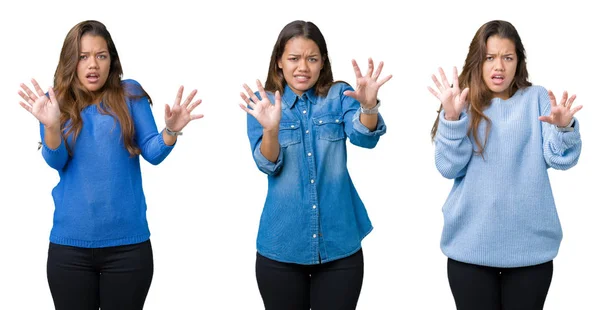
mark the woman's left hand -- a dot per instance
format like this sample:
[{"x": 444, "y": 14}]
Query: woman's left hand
[
  {"x": 367, "y": 85},
  {"x": 560, "y": 114},
  {"x": 180, "y": 114}
]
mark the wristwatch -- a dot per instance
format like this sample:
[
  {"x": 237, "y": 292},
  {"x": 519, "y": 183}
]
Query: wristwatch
[
  {"x": 371, "y": 111},
  {"x": 173, "y": 133}
]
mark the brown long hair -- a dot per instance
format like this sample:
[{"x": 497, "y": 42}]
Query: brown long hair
[
  {"x": 480, "y": 96},
  {"x": 307, "y": 30},
  {"x": 73, "y": 97}
]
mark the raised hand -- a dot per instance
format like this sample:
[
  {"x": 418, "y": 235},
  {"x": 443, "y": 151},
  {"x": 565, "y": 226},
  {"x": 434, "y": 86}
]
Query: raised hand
[
  {"x": 45, "y": 109},
  {"x": 367, "y": 86},
  {"x": 560, "y": 114},
  {"x": 452, "y": 99},
  {"x": 180, "y": 114},
  {"x": 266, "y": 113}
]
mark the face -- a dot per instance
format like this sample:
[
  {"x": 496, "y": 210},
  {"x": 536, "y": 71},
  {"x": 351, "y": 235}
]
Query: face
[
  {"x": 94, "y": 62},
  {"x": 499, "y": 66},
  {"x": 301, "y": 64}
]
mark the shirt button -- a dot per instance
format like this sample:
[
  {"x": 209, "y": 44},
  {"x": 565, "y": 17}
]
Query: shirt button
[
  {"x": 312, "y": 181},
  {"x": 337, "y": 120},
  {"x": 307, "y": 132},
  {"x": 304, "y": 111},
  {"x": 309, "y": 154},
  {"x": 314, "y": 206},
  {"x": 314, "y": 235},
  {"x": 320, "y": 122},
  {"x": 293, "y": 126}
]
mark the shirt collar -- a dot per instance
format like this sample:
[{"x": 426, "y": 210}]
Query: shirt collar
[{"x": 290, "y": 98}]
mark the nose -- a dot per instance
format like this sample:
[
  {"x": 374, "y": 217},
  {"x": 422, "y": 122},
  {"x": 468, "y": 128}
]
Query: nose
[
  {"x": 499, "y": 64},
  {"x": 93, "y": 63},
  {"x": 303, "y": 66}
]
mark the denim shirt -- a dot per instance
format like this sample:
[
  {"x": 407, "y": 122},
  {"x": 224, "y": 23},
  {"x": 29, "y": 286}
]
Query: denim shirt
[{"x": 312, "y": 213}]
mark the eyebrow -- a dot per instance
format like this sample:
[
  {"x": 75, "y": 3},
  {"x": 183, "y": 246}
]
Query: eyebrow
[
  {"x": 311, "y": 55},
  {"x": 493, "y": 54},
  {"x": 100, "y": 52}
]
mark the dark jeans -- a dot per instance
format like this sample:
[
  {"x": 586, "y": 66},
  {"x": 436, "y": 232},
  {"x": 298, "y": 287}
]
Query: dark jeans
[
  {"x": 111, "y": 278},
  {"x": 479, "y": 287},
  {"x": 329, "y": 286}
]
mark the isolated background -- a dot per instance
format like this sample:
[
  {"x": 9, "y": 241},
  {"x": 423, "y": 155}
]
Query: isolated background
[{"x": 205, "y": 199}]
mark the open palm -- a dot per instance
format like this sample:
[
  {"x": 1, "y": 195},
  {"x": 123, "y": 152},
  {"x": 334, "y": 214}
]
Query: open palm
[
  {"x": 453, "y": 100},
  {"x": 367, "y": 85},
  {"x": 45, "y": 109},
  {"x": 560, "y": 114},
  {"x": 266, "y": 113}
]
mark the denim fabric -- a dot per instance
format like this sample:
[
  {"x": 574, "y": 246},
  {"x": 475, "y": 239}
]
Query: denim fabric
[{"x": 312, "y": 213}]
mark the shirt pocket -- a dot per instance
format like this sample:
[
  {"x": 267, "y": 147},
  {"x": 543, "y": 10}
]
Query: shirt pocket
[
  {"x": 330, "y": 127},
  {"x": 289, "y": 133}
]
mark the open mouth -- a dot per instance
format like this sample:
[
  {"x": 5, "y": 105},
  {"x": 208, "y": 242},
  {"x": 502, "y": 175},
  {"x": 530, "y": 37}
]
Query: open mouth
[
  {"x": 497, "y": 79},
  {"x": 92, "y": 77}
]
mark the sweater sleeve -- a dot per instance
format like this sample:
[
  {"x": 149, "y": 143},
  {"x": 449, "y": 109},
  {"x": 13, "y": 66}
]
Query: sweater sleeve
[
  {"x": 55, "y": 158},
  {"x": 453, "y": 149},
  {"x": 148, "y": 138},
  {"x": 561, "y": 149}
]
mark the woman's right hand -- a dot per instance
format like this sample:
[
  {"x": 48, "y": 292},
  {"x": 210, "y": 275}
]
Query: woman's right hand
[
  {"x": 266, "y": 113},
  {"x": 452, "y": 99},
  {"x": 45, "y": 109}
]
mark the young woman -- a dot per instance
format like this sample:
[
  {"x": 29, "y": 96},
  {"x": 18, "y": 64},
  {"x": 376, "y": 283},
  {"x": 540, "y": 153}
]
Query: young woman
[
  {"x": 309, "y": 239},
  {"x": 94, "y": 127},
  {"x": 496, "y": 135}
]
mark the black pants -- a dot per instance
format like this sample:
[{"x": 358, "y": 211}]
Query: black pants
[
  {"x": 479, "y": 287},
  {"x": 329, "y": 286},
  {"x": 111, "y": 278}
]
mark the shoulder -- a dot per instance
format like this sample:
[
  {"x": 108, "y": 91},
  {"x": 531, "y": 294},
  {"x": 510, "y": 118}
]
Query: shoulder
[
  {"x": 337, "y": 89},
  {"x": 133, "y": 88}
]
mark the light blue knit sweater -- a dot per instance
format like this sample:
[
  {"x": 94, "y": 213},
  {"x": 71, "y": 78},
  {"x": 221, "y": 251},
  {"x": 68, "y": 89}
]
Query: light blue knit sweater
[{"x": 500, "y": 211}]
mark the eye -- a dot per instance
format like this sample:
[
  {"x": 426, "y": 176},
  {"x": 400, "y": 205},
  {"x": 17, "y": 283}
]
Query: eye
[
  {"x": 102, "y": 56},
  {"x": 489, "y": 58},
  {"x": 293, "y": 58},
  {"x": 313, "y": 59},
  {"x": 508, "y": 58},
  {"x": 82, "y": 57}
]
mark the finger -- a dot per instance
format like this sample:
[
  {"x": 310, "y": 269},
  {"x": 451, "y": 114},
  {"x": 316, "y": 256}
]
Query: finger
[
  {"x": 245, "y": 108},
  {"x": 29, "y": 93},
  {"x": 278, "y": 101},
  {"x": 463, "y": 95},
  {"x": 387, "y": 78},
  {"x": 370, "y": 68},
  {"x": 433, "y": 92},
  {"x": 251, "y": 94},
  {"x": 37, "y": 87},
  {"x": 356, "y": 69},
  {"x": 26, "y": 98},
  {"x": 189, "y": 98},
  {"x": 167, "y": 111},
  {"x": 197, "y": 116},
  {"x": 570, "y": 101},
  {"x": 444, "y": 79},
  {"x": 552, "y": 98},
  {"x": 437, "y": 83},
  {"x": 563, "y": 100},
  {"x": 350, "y": 93},
  {"x": 455, "y": 79},
  {"x": 179, "y": 95},
  {"x": 378, "y": 71},
  {"x": 25, "y": 106},
  {"x": 192, "y": 106},
  {"x": 546, "y": 119},
  {"x": 247, "y": 100},
  {"x": 261, "y": 90},
  {"x": 52, "y": 95},
  {"x": 576, "y": 109}
]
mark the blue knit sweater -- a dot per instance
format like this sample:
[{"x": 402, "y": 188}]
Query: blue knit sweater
[
  {"x": 99, "y": 200},
  {"x": 500, "y": 211}
]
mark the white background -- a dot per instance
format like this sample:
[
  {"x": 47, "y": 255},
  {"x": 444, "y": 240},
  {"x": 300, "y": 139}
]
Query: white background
[{"x": 205, "y": 199}]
